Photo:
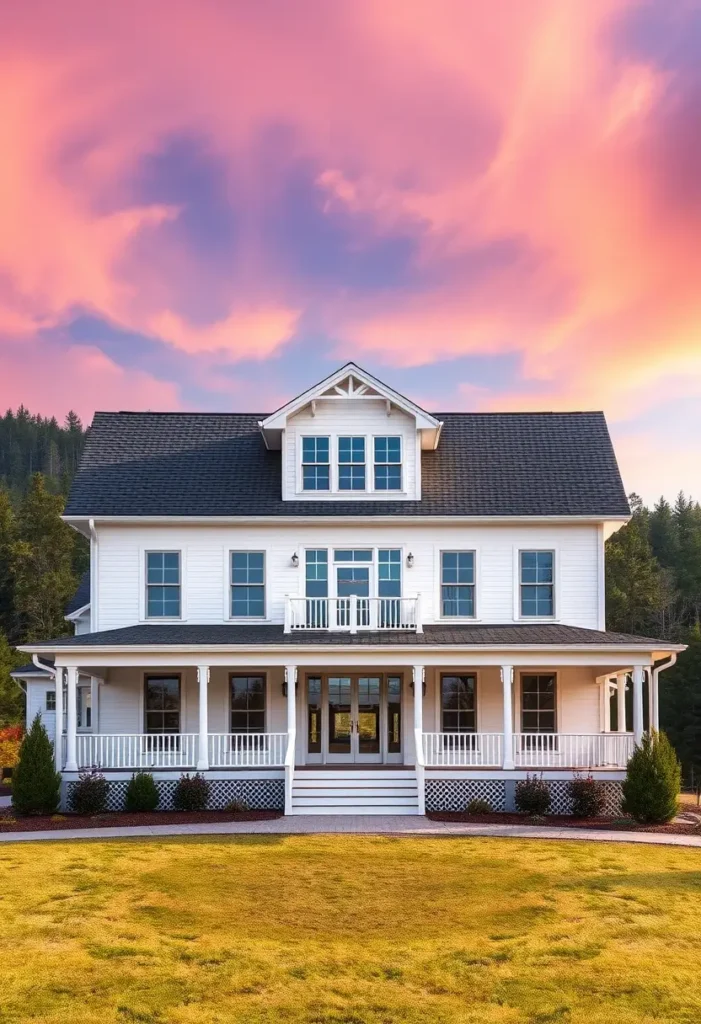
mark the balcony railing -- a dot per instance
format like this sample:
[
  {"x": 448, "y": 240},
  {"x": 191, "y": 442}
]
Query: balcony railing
[
  {"x": 351, "y": 614},
  {"x": 530, "y": 750}
]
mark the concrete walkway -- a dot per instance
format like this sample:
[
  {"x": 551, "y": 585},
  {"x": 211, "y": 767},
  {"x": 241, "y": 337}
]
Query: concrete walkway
[{"x": 307, "y": 824}]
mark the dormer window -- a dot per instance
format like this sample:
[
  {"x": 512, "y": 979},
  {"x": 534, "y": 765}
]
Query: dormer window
[
  {"x": 351, "y": 463},
  {"x": 388, "y": 463},
  {"x": 316, "y": 470}
]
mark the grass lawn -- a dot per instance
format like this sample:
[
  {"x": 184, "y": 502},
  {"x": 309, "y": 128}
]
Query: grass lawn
[{"x": 349, "y": 929}]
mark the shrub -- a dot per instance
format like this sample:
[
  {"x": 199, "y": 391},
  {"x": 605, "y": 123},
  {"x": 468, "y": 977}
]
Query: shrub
[
  {"x": 10, "y": 743},
  {"x": 237, "y": 806},
  {"x": 191, "y": 793},
  {"x": 532, "y": 795},
  {"x": 587, "y": 795},
  {"x": 36, "y": 785},
  {"x": 653, "y": 781},
  {"x": 142, "y": 793},
  {"x": 478, "y": 806},
  {"x": 89, "y": 794}
]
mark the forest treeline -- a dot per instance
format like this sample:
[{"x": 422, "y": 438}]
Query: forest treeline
[{"x": 653, "y": 569}]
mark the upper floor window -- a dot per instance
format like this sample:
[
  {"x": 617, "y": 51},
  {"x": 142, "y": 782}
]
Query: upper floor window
[
  {"x": 389, "y": 572},
  {"x": 316, "y": 470},
  {"x": 248, "y": 584},
  {"x": 388, "y": 463},
  {"x": 351, "y": 463},
  {"x": 537, "y": 583},
  {"x": 163, "y": 584},
  {"x": 458, "y": 583}
]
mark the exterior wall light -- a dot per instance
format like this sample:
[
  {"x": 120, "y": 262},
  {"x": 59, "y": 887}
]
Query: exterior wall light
[
  {"x": 409, "y": 560},
  {"x": 295, "y": 560}
]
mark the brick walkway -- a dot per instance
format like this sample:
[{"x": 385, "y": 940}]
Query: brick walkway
[{"x": 359, "y": 824}]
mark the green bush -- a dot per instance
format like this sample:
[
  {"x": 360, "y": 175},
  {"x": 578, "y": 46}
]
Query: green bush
[
  {"x": 36, "y": 785},
  {"x": 478, "y": 806},
  {"x": 587, "y": 795},
  {"x": 142, "y": 793},
  {"x": 89, "y": 794},
  {"x": 191, "y": 793},
  {"x": 532, "y": 795},
  {"x": 653, "y": 781},
  {"x": 237, "y": 806}
]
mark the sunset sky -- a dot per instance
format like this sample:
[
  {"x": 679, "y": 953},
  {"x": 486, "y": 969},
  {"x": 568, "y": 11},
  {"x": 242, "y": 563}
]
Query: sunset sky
[{"x": 210, "y": 204}]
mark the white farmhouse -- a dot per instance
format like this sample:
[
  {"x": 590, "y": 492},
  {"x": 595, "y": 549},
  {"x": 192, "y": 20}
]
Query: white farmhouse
[{"x": 351, "y": 605}]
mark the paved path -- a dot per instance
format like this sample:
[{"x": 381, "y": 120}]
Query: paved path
[
  {"x": 397, "y": 824},
  {"x": 5, "y": 800}
]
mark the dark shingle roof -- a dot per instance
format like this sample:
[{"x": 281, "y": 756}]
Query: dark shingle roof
[
  {"x": 487, "y": 464},
  {"x": 81, "y": 596},
  {"x": 225, "y": 634},
  {"x": 31, "y": 669}
]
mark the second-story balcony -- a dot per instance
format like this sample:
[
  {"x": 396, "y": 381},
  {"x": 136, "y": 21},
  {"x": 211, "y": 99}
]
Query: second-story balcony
[{"x": 353, "y": 614}]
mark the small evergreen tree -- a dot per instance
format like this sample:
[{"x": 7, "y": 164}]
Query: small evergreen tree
[
  {"x": 653, "y": 781},
  {"x": 36, "y": 785},
  {"x": 142, "y": 793}
]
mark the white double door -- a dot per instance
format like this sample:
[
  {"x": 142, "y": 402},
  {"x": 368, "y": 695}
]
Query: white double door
[{"x": 354, "y": 719}]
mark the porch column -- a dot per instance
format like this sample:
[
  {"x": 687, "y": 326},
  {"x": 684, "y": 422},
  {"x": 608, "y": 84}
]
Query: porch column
[
  {"x": 71, "y": 718},
  {"x": 58, "y": 734},
  {"x": 418, "y": 675},
  {"x": 291, "y": 680},
  {"x": 650, "y": 700},
  {"x": 621, "y": 701},
  {"x": 638, "y": 674},
  {"x": 507, "y": 681},
  {"x": 203, "y": 745}
]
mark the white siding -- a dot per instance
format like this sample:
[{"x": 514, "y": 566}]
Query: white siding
[
  {"x": 205, "y": 565},
  {"x": 355, "y": 417},
  {"x": 36, "y": 702}
]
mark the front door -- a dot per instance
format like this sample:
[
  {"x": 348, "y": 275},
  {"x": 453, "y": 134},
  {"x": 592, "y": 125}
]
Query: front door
[{"x": 354, "y": 719}]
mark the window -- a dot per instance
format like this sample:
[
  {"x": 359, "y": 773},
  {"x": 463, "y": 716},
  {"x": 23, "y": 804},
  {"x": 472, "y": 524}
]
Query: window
[
  {"x": 351, "y": 463},
  {"x": 316, "y": 474},
  {"x": 538, "y": 703},
  {"x": 163, "y": 584},
  {"x": 458, "y": 703},
  {"x": 458, "y": 583},
  {"x": 50, "y": 700},
  {"x": 247, "y": 704},
  {"x": 162, "y": 704},
  {"x": 317, "y": 586},
  {"x": 394, "y": 714},
  {"x": 248, "y": 584},
  {"x": 314, "y": 714},
  {"x": 84, "y": 698},
  {"x": 389, "y": 585},
  {"x": 537, "y": 583},
  {"x": 345, "y": 555},
  {"x": 388, "y": 463}
]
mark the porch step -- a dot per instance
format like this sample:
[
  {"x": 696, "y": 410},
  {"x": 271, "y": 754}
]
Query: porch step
[{"x": 355, "y": 791}]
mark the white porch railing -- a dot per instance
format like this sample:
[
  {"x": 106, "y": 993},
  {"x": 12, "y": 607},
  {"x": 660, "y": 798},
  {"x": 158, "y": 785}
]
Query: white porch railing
[
  {"x": 350, "y": 614},
  {"x": 572, "y": 750},
  {"x": 247, "y": 750},
  {"x": 463, "y": 749},
  {"x": 136, "y": 750}
]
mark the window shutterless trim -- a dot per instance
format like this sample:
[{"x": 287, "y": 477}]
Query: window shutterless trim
[
  {"x": 317, "y": 463},
  {"x": 471, "y": 586},
  {"x": 444, "y": 674},
  {"x": 230, "y": 710},
  {"x": 554, "y": 583},
  {"x": 145, "y": 588},
  {"x": 263, "y": 586},
  {"x": 351, "y": 462},
  {"x": 518, "y": 697},
  {"x": 379, "y": 463},
  {"x": 181, "y": 703}
]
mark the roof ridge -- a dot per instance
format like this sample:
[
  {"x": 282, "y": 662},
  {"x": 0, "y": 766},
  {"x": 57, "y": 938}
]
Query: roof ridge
[{"x": 263, "y": 415}]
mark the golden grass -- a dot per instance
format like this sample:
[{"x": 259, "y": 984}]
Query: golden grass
[{"x": 349, "y": 930}]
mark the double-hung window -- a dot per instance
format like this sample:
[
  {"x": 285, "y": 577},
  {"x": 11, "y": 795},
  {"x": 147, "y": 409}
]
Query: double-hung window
[
  {"x": 388, "y": 463},
  {"x": 316, "y": 469},
  {"x": 458, "y": 703},
  {"x": 537, "y": 583},
  {"x": 163, "y": 584},
  {"x": 457, "y": 584},
  {"x": 538, "y": 703},
  {"x": 50, "y": 700},
  {"x": 351, "y": 463},
  {"x": 162, "y": 704},
  {"x": 247, "y": 704},
  {"x": 248, "y": 584}
]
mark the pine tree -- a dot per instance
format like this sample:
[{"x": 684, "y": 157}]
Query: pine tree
[
  {"x": 680, "y": 705},
  {"x": 36, "y": 785},
  {"x": 664, "y": 537},
  {"x": 7, "y": 538},
  {"x": 42, "y": 564},
  {"x": 653, "y": 781},
  {"x": 632, "y": 576},
  {"x": 687, "y": 516},
  {"x": 11, "y": 696}
]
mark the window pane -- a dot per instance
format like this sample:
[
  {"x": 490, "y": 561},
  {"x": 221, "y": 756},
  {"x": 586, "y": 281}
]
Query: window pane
[
  {"x": 351, "y": 478},
  {"x": 248, "y": 601},
  {"x": 346, "y": 555},
  {"x": 458, "y": 601},
  {"x": 458, "y": 700},
  {"x": 315, "y": 449},
  {"x": 351, "y": 449},
  {"x": 315, "y": 478}
]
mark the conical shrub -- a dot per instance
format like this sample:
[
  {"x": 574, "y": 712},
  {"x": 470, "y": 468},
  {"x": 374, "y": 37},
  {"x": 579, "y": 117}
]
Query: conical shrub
[
  {"x": 142, "y": 793},
  {"x": 36, "y": 785},
  {"x": 653, "y": 781}
]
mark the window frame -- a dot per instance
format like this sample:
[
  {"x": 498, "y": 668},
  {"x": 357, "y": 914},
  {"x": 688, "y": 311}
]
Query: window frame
[
  {"x": 554, "y": 584},
  {"x": 519, "y": 700},
  {"x": 352, "y": 463},
  {"x": 375, "y": 464},
  {"x": 266, "y": 701},
  {"x": 50, "y": 694},
  {"x": 475, "y": 562},
  {"x": 315, "y": 437},
  {"x": 230, "y": 585},
  {"x": 446, "y": 673},
  {"x": 145, "y": 584},
  {"x": 181, "y": 701}
]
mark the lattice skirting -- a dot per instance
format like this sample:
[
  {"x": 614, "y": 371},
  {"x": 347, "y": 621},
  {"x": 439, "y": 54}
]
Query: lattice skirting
[
  {"x": 258, "y": 794},
  {"x": 560, "y": 802},
  {"x": 455, "y": 794}
]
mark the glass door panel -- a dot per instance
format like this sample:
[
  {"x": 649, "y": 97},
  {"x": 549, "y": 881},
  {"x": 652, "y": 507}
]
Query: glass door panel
[
  {"x": 340, "y": 717},
  {"x": 368, "y": 727},
  {"x": 353, "y": 580}
]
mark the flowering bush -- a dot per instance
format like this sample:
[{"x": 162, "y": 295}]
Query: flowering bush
[{"x": 532, "y": 795}]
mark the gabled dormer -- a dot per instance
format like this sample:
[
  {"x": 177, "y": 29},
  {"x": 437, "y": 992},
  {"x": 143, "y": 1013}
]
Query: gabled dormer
[{"x": 351, "y": 437}]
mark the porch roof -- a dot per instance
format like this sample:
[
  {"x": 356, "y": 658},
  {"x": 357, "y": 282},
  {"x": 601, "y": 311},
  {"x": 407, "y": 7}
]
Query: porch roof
[{"x": 164, "y": 635}]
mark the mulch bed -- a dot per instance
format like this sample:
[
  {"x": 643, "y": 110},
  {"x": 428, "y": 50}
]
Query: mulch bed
[
  {"x": 566, "y": 821},
  {"x": 119, "y": 819}
]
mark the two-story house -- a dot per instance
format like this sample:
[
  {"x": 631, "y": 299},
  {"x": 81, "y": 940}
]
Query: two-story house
[{"x": 348, "y": 605}]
